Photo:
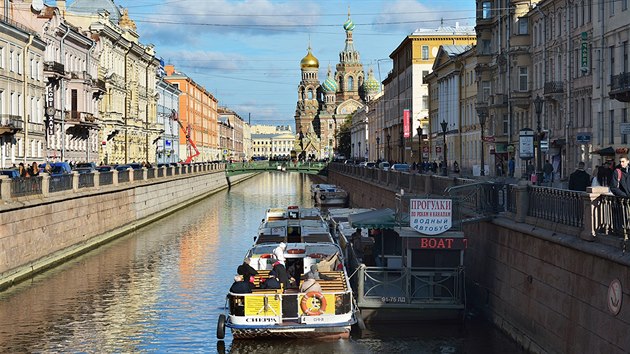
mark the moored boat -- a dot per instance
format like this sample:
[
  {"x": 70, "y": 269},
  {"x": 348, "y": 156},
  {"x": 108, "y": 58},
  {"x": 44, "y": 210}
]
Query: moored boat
[
  {"x": 293, "y": 311},
  {"x": 331, "y": 195}
]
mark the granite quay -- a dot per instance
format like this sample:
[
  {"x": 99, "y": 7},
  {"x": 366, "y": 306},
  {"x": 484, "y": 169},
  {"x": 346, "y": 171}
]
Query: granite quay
[
  {"x": 541, "y": 263},
  {"x": 42, "y": 228}
]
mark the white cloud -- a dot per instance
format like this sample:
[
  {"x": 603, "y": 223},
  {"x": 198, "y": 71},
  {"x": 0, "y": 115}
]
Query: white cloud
[{"x": 410, "y": 15}]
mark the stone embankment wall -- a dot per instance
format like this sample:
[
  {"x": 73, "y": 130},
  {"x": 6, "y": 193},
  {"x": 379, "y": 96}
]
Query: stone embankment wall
[
  {"x": 549, "y": 291},
  {"x": 39, "y": 233}
]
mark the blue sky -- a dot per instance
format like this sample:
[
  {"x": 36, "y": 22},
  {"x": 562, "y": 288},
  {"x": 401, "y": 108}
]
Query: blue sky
[{"x": 248, "y": 52}]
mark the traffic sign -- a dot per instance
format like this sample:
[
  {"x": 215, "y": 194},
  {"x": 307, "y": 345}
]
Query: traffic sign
[{"x": 624, "y": 128}]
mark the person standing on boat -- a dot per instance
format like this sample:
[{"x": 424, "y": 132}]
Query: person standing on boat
[
  {"x": 283, "y": 275},
  {"x": 315, "y": 274},
  {"x": 240, "y": 286},
  {"x": 247, "y": 271},
  {"x": 329, "y": 264},
  {"x": 278, "y": 252}
]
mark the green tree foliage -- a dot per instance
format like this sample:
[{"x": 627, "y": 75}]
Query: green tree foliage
[{"x": 343, "y": 137}]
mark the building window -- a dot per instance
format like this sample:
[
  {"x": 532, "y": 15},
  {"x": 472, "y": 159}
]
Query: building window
[
  {"x": 350, "y": 83},
  {"x": 522, "y": 78},
  {"x": 486, "y": 10},
  {"x": 624, "y": 5},
  {"x": 523, "y": 25},
  {"x": 485, "y": 89},
  {"x": 485, "y": 46},
  {"x": 425, "y": 52},
  {"x": 612, "y": 62},
  {"x": 425, "y": 102}
]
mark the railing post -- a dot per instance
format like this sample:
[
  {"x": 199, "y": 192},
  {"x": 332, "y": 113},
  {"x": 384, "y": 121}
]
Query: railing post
[
  {"x": 522, "y": 201},
  {"x": 360, "y": 282},
  {"x": 131, "y": 175},
  {"x": 97, "y": 179},
  {"x": 144, "y": 174},
  {"x": 114, "y": 178},
  {"x": 5, "y": 188},
  {"x": 45, "y": 184},
  {"x": 428, "y": 184},
  {"x": 75, "y": 181},
  {"x": 588, "y": 231}
]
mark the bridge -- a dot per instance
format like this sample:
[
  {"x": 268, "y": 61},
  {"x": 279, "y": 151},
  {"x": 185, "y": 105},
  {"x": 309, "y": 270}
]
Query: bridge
[{"x": 237, "y": 168}]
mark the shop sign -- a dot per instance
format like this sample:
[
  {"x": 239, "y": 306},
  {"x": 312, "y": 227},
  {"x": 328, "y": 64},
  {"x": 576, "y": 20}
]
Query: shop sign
[{"x": 526, "y": 144}]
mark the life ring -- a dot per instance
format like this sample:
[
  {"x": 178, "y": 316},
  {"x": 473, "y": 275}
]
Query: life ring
[
  {"x": 307, "y": 303},
  {"x": 266, "y": 255},
  {"x": 296, "y": 251}
]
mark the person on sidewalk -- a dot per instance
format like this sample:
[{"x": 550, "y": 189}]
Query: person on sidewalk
[
  {"x": 579, "y": 179},
  {"x": 548, "y": 172},
  {"x": 620, "y": 185}
]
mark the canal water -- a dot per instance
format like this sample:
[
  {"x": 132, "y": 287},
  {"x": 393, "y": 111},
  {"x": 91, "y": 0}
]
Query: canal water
[{"x": 161, "y": 289}]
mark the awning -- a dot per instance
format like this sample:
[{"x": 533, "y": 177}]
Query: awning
[
  {"x": 374, "y": 219},
  {"x": 609, "y": 151}
]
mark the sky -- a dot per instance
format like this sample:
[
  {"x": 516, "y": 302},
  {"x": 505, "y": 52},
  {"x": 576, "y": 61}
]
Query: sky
[{"x": 247, "y": 53}]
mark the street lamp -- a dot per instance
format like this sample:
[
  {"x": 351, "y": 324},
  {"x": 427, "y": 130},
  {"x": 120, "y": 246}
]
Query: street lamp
[
  {"x": 419, "y": 129},
  {"x": 389, "y": 137},
  {"x": 482, "y": 112},
  {"x": 444, "y": 126},
  {"x": 378, "y": 148},
  {"x": 538, "y": 105}
]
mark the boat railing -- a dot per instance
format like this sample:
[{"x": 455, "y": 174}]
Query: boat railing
[{"x": 382, "y": 287}]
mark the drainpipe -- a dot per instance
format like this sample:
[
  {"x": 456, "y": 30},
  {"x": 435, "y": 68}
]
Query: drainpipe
[
  {"x": 567, "y": 104},
  {"x": 25, "y": 87},
  {"x": 125, "y": 108},
  {"x": 62, "y": 91},
  {"x": 146, "y": 111},
  {"x": 88, "y": 64}
]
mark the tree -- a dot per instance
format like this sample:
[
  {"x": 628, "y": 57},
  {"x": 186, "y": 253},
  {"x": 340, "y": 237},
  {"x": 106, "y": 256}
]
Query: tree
[{"x": 343, "y": 137}]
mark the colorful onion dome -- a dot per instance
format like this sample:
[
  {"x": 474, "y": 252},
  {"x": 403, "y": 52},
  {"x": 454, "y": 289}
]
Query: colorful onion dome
[
  {"x": 371, "y": 84},
  {"x": 309, "y": 61},
  {"x": 348, "y": 25},
  {"x": 330, "y": 85}
]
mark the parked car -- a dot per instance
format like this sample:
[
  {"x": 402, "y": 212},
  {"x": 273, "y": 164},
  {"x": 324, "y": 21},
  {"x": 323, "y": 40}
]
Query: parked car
[
  {"x": 384, "y": 166},
  {"x": 12, "y": 173},
  {"x": 56, "y": 168},
  {"x": 85, "y": 167},
  {"x": 104, "y": 168},
  {"x": 400, "y": 167}
]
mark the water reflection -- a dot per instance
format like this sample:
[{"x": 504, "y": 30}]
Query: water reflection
[{"x": 162, "y": 288}]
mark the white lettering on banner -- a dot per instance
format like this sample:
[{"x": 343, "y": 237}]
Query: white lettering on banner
[{"x": 431, "y": 216}]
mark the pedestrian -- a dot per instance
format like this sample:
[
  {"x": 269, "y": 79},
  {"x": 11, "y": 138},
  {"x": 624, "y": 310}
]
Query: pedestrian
[
  {"x": 246, "y": 270},
  {"x": 22, "y": 170},
  {"x": 529, "y": 170},
  {"x": 455, "y": 167},
  {"x": 310, "y": 284},
  {"x": 278, "y": 252},
  {"x": 511, "y": 166},
  {"x": 548, "y": 172},
  {"x": 620, "y": 185},
  {"x": 283, "y": 276},
  {"x": 272, "y": 282},
  {"x": 33, "y": 169},
  {"x": 594, "y": 180},
  {"x": 579, "y": 179},
  {"x": 240, "y": 286}
]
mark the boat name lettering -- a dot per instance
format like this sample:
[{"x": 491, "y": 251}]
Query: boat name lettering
[{"x": 262, "y": 319}]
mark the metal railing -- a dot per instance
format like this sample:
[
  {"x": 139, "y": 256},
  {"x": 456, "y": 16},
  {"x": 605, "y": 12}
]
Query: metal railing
[
  {"x": 560, "y": 209},
  {"x": 86, "y": 180},
  {"x": 60, "y": 183},
  {"x": 106, "y": 178},
  {"x": 150, "y": 173},
  {"x": 123, "y": 176},
  {"x": 21, "y": 187},
  {"x": 138, "y": 175}
]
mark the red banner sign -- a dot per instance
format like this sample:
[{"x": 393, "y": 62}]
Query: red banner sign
[{"x": 406, "y": 119}]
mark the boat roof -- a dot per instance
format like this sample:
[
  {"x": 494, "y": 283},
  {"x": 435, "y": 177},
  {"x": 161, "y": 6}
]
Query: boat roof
[
  {"x": 374, "y": 219},
  {"x": 341, "y": 214}
]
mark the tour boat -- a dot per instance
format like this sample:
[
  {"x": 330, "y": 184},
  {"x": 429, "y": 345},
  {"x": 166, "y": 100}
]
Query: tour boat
[
  {"x": 407, "y": 268},
  {"x": 289, "y": 313},
  {"x": 331, "y": 195},
  {"x": 317, "y": 186}
]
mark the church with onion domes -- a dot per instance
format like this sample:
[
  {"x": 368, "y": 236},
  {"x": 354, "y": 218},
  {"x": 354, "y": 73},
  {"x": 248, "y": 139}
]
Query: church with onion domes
[{"x": 323, "y": 106}]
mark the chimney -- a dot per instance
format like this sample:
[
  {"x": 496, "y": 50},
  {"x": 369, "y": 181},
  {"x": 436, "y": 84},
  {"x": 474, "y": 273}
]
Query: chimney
[{"x": 169, "y": 69}]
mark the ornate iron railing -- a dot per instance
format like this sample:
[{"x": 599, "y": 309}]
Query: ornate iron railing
[
  {"x": 556, "y": 205},
  {"x": 60, "y": 183},
  {"x": 106, "y": 178},
  {"x": 21, "y": 187},
  {"x": 86, "y": 180}
]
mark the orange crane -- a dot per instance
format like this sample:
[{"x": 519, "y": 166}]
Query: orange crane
[{"x": 190, "y": 144}]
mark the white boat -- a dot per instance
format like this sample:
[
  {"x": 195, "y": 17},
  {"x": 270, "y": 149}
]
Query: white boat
[
  {"x": 316, "y": 187},
  {"x": 289, "y": 313},
  {"x": 332, "y": 195}
]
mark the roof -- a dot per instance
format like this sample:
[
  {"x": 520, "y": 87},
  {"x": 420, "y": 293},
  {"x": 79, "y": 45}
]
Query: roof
[
  {"x": 93, "y": 6},
  {"x": 445, "y": 31},
  {"x": 374, "y": 219}
]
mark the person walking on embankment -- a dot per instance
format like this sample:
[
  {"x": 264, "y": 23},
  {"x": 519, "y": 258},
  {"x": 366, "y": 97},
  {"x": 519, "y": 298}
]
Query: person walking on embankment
[{"x": 620, "y": 185}]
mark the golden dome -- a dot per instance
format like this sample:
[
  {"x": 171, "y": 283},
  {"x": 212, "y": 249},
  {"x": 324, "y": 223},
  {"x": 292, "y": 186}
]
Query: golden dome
[{"x": 309, "y": 61}]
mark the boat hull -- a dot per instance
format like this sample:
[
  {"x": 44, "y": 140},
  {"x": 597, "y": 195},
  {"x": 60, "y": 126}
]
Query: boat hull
[{"x": 298, "y": 331}]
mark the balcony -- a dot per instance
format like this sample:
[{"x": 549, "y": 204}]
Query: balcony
[
  {"x": 620, "y": 87},
  {"x": 554, "y": 88},
  {"x": 53, "y": 67},
  {"x": 10, "y": 124},
  {"x": 80, "y": 117},
  {"x": 80, "y": 75}
]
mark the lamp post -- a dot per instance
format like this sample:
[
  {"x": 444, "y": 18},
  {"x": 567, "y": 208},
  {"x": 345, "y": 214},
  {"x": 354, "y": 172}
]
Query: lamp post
[
  {"x": 444, "y": 126},
  {"x": 419, "y": 129},
  {"x": 389, "y": 137},
  {"x": 360, "y": 151},
  {"x": 538, "y": 106},
  {"x": 378, "y": 148},
  {"x": 482, "y": 112}
]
